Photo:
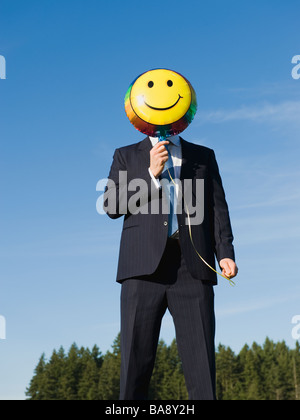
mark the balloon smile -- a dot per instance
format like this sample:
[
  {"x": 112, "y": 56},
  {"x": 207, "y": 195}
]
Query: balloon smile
[{"x": 165, "y": 109}]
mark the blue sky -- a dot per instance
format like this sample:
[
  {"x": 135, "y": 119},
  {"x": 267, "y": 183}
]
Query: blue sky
[{"x": 69, "y": 64}]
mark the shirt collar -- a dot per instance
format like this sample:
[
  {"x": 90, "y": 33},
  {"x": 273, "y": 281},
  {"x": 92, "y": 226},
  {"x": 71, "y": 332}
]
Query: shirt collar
[{"x": 175, "y": 140}]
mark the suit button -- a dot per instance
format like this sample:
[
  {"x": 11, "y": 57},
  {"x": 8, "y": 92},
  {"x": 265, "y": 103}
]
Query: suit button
[{"x": 165, "y": 223}]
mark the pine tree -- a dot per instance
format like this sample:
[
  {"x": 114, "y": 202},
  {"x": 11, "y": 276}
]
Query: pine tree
[
  {"x": 296, "y": 371},
  {"x": 179, "y": 390},
  {"x": 252, "y": 374},
  {"x": 267, "y": 372},
  {"x": 88, "y": 386},
  {"x": 51, "y": 386},
  {"x": 35, "y": 389},
  {"x": 109, "y": 381},
  {"x": 157, "y": 384},
  {"x": 71, "y": 377},
  {"x": 227, "y": 374},
  {"x": 285, "y": 390}
]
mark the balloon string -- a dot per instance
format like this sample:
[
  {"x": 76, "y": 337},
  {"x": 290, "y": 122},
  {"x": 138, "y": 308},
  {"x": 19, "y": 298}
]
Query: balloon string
[{"x": 231, "y": 282}]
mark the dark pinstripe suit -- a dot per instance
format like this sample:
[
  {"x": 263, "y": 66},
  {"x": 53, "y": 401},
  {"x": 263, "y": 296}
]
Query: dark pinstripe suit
[{"x": 157, "y": 273}]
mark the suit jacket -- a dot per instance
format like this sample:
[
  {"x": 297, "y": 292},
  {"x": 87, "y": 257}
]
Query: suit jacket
[{"x": 144, "y": 236}]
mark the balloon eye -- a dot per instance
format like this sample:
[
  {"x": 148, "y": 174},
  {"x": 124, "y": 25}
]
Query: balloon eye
[
  {"x": 150, "y": 84},
  {"x": 170, "y": 83}
]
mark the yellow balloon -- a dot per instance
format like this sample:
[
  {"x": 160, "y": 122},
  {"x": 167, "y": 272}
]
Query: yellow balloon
[{"x": 160, "y": 102}]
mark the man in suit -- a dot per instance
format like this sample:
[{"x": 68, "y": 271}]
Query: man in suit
[{"x": 159, "y": 268}]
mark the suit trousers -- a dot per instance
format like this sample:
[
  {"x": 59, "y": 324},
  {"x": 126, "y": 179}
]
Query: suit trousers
[{"x": 144, "y": 301}]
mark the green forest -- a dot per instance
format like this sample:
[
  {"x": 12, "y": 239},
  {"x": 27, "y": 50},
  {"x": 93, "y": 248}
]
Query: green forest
[{"x": 267, "y": 372}]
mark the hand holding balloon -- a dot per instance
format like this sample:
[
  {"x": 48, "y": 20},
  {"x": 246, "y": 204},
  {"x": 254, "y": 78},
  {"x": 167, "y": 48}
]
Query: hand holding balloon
[{"x": 158, "y": 158}]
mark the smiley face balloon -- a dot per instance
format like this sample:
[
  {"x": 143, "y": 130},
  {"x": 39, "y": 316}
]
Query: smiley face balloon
[{"x": 160, "y": 103}]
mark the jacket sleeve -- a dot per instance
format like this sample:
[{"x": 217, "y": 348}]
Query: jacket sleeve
[
  {"x": 120, "y": 190},
  {"x": 114, "y": 194},
  {"x": 222, "y": 225}
]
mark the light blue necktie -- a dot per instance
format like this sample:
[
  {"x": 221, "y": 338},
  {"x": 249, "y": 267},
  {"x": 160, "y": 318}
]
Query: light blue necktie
[{"x": 173, "y": 221}]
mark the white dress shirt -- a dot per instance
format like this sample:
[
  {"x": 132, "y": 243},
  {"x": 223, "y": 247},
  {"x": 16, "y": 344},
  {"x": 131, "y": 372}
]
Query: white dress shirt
[
  {"x": 174, "y": 148},
  {"x": 174, "y": 161}
]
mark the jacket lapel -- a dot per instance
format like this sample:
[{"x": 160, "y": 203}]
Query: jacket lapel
[
  {"x": 144, "y": 151},
  {"x": 186, "y": 160}
]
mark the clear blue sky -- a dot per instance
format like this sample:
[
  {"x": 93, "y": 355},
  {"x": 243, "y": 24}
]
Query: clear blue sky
[{"x": 69, "y": 64}]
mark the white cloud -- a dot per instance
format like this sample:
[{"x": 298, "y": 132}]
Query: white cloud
[
  {"x": 282, "y": 200},
  {"x": 278, "y": 89},
  {"x": 256, "y": 305},
  {"x": 287, "y": 112}
]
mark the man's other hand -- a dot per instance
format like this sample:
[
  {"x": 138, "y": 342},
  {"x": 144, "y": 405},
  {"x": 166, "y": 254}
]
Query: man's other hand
[{"x": 229, "y": 268}]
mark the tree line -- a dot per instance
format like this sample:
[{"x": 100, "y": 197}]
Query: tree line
[{"x": 267, "y": 372}]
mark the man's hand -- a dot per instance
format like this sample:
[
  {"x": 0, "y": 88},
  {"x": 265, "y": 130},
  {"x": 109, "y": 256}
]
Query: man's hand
[
  {"x": 158, "y": 157},
  {"x": 229, "y": 268}
]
